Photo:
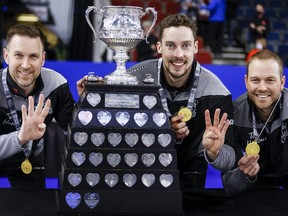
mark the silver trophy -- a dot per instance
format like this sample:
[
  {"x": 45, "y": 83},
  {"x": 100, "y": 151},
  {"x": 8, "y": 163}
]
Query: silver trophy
[{"x": 121, "y": 30}]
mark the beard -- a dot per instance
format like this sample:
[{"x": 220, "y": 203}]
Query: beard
[{"x": 25, "y": 83}]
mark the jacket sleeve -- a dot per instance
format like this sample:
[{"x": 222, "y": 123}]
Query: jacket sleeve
[
  {"x": 225, "y": 159},
  {"x": 9, "y": 145},
  {"x": 235, "y": 182},
  {"x": 64, "y": 106}
]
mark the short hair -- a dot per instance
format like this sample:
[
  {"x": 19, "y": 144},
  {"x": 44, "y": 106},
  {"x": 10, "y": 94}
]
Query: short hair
[
  {"x": 177, "y": 20},
  {"x": 266, "y": 55},
  {"x": 263, "y": 41},
  {"x": 25, "y": 30}
]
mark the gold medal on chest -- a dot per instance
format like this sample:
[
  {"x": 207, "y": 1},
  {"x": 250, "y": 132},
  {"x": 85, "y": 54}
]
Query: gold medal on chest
[
  {"x": 26, "y": 166},
  {"x": 252, "y": 148},
  {"x": 186, "y": 113}
]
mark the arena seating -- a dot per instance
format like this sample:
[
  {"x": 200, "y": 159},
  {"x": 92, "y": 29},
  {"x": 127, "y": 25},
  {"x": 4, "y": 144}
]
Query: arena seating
[{"x": 277, "y": 12}]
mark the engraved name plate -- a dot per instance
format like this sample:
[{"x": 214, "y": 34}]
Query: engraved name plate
[{"x": 122, "y": 101}]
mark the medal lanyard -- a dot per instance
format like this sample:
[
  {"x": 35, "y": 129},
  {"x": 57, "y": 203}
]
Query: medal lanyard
[
  {"x": 11, "y": 106},
  {"x": 191, "y": 100},
  {"x": 255, "y": 132}
]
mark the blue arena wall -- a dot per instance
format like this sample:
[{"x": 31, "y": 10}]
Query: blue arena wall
[{"x": 231, "y": 75}]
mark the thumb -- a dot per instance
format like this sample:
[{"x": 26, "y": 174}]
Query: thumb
[{"x": 42, "y": 127}]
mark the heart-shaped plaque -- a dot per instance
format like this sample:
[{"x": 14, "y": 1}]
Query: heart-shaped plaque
[
  {"x": 131, "y": 159},
  {"x": 93, "y": 99},
  {"x": 80, "y": 138},
  {"x": 148, "y": 179},
  {"x": 73, "y": 199},
  {"x": 159, "y": 119},
  {"x": 78, "y": 158},
  {"x": 114, "y": 138},
  {"x": 164, "y": 139},
  {"x": 97, "y": 138},
  {"x": 104, "y": 117},
  {"x": 91, "y": 200},
  {"x": 92, "y": 179},
  {"x": 149, "y": 101},
  {"x": 148, "y": 159},
  {"x": 165, "y": 159},
  {"x": 95, "y": 158},
  {"x": 85, "y": 117},
  {"x": 140, "y": 119},
  {"x": 131, "y": 139},
  {"x": 74, "y": 179},
  {"x": 166, "y": 180},
  {"x": 122, "y": 118},
  {"x": 113, "y": 159},
  {"x": 129, "y": 179},
  {"x": 148, "y": 139},
  {"x": 111, "y": 179}
]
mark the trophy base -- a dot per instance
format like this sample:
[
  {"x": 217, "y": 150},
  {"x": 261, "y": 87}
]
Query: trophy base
[
  {"x": 123, "y": 203},
  {"x": 126, "y": 79},
  {"x": 115, "y": 122}
]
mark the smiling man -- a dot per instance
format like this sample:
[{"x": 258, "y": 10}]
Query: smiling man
[
  {"x": 31, "y": 96},
  {"x": 261, "y": 120},
  {"x": 187, "y": 91}
]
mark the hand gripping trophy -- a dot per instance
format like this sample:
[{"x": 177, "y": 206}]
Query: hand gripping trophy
[{"x": 121, "y": 30}]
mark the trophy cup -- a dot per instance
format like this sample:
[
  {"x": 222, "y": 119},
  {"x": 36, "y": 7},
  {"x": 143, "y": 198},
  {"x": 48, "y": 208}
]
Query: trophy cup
[
  {"x": 120, "y": 156},
  {"x": 121, "y": 30}
]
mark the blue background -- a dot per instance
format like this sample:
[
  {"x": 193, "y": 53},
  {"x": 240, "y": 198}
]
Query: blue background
[{"x": 231, "y": 75}]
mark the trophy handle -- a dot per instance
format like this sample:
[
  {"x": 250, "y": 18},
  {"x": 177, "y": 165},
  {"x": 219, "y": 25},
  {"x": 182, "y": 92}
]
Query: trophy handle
[
  {"x": 89, "y": 9},
  {"x": 153, "y": 23}
]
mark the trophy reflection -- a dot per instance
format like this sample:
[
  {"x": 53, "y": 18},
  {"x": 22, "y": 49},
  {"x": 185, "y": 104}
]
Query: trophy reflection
[{"x": 121, "y": 30}]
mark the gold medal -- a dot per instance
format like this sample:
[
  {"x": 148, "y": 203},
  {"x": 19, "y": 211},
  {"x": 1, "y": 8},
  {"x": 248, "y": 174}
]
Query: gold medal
[
  {"x": 186, "y": 113},
  {"x": 26, "y": 166},
  {"x": 252, "y": 148}
]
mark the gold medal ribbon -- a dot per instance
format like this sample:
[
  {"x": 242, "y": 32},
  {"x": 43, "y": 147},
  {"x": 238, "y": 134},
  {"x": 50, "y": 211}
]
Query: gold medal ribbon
[
  {"x": 253, "y": 148},
  {"x": 26, "y": 166},
  {"x": 191, "y": 99}
]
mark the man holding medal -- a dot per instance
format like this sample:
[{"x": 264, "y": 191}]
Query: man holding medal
[
  {"x": 188, "y": 92},
  {"x": 261, "y": 121},
  {"x": 31, "y": 97}
]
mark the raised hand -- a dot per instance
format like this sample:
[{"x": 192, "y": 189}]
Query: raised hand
[
  {"x": 33, "y": 126},
  {"x": 214, "y": 135}
]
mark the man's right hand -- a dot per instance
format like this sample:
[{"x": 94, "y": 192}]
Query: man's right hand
[
  {"x": 249, "y": 165},
  {"x": 179, "y": 127}
]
